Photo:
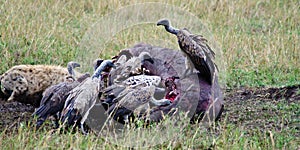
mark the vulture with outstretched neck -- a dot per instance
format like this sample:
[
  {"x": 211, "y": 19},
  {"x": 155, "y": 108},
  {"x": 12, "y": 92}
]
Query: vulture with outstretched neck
[
  {"x": 196, "y": 49},
  {"x": 200, "y": 54},
  {"x": 83, "y": 97}
]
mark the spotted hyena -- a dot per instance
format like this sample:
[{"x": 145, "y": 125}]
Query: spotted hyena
[{"x": 26, "y": 83}]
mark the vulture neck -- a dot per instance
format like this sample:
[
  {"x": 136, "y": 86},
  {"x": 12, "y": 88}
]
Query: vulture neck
[
  {"x": 171, "y": 30},
  {"x": 98, "y": 72},
  {"x": 71, "y": 71}
]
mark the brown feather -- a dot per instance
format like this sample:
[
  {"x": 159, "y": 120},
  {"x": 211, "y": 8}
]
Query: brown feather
[{"x": 197, "y": 49}]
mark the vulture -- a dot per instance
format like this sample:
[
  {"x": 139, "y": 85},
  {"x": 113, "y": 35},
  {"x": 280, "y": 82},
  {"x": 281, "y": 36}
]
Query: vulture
[
  {"x": 54, "y": 97},
  {"x": 196, "y": 49},
  {"x": 134, "y": 94},
  {"x": 83, "y": 97},
  {"x": 127, "y": 65}
]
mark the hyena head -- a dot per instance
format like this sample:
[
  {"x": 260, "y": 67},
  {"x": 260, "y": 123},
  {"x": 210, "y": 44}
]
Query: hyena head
[{"x": 13, "y": 82}]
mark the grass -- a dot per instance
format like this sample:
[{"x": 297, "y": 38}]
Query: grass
[
  {"x": 259, "y": 41},
  {"x": 259, "y": 47},
  {"x": 224, "y": 135}
]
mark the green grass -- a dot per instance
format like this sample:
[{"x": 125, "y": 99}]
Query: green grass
[
  {"x": 224, "y": 135},
  {"x": 259, "y": 40},
  {"x": 259, "y": 47}
]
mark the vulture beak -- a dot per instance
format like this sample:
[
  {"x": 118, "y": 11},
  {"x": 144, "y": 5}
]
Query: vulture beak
[
  {"x": 166, "y": 23},
  {"x": 163, "y": 22},
  {"x": 73, "y": 64}
]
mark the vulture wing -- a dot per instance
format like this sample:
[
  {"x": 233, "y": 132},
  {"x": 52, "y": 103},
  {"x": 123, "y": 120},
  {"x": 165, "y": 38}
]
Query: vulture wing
[{"x": 199, "y": 52}]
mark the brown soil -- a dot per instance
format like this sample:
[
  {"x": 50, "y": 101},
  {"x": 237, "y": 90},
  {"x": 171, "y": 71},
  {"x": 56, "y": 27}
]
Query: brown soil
[
  {"x": 264, "y": 109},
  {"x": 246, "y": 107},
  {"x": 13, "y": 113}
]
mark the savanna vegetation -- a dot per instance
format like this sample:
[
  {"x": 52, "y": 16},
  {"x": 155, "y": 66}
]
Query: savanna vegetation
[{"x": 259, "y": 41}]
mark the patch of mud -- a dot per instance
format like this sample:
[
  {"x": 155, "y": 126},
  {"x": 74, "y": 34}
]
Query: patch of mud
[
  {"x": 13, "y": 113},
  {"x": 264, "y": 109},
  {"x": 249, "y": 108},
  {"x": 289, "y": 93}
]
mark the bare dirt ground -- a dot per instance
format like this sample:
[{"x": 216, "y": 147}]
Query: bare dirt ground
[
  {"x": 259, "y": 108},
  {"x": 264, "y": 109}
]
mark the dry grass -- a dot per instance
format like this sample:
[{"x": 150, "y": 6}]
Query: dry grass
[
  {"x": 259, "y": 39},
  {"x": 256, "y": 40}
]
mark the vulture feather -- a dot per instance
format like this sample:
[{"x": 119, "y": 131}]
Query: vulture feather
[
  {"x": 128, "y": 65},
  {"x": 196, "y": 49},
  {"x": 134, "y": 94},
  {"x": 83, "y": 97},
  {"x": 54, "y": 97}
]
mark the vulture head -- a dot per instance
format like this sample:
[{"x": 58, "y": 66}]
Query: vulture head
[
  {"x": 105, "y": 66},
  {"x": 166, "y": 23},
  {"x": 71, "y": 65}
]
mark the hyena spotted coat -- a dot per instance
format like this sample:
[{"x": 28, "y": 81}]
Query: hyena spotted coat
[{"x": 26, "y": 83}]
